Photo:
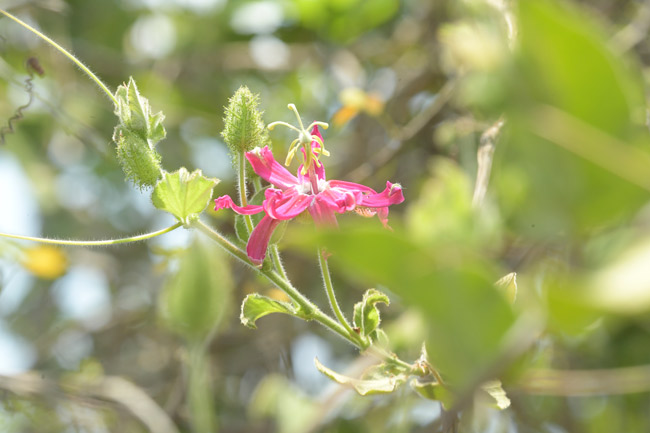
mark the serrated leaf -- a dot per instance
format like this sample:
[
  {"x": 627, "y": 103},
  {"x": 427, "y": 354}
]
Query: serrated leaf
[
  {"x": 183, "y": 194},
  {"x": 366, "y": 314},
  {"x": 380, "y": 385},
  {"x": 493, "y": 387},
  {"x": 256, "y": 306}
]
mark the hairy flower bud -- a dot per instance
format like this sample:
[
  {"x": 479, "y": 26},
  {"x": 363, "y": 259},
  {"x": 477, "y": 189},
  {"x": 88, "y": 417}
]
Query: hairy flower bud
[
  {"x": 137, "y": 135},
  {"x": 243, "y": 126}
]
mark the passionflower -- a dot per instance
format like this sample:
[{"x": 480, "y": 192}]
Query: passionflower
[{"x": 308, "y": 191}]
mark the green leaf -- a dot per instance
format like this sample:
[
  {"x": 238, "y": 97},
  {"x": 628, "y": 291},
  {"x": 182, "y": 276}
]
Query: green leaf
[
  {"x": 433, "y": 391},
  {"x": 508, "y": 285},
  {"x": 196, "y": 298},
  {"x": 496, "y": 391},
  {"x": 380, "y": 385},
  {"x": 256, "y": 306},
  {"x": 183, "y": 194},
  {"x": 366, "y": 314}
]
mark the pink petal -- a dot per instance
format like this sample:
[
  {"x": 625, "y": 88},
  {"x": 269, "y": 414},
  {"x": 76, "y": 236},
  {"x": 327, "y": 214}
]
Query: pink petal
[
  {"x": 323, "y": 212},
  {"x": 284, "y": 205},
  {"x": 389, "y": 196},
  {"x": 340, "y": 201},
  {"x": 259, "y": 240},
  {"x": 225, "y": 202},
  {"x": 351, "y": 186},
  {"x": 269, "y": 169}
]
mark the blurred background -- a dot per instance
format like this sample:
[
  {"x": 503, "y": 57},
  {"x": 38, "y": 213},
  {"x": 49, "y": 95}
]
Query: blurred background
[{"x": 146, "y": 337}]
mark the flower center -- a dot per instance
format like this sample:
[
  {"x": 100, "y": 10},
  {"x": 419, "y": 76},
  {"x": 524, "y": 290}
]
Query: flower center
[{"x": 304, "y": 141}]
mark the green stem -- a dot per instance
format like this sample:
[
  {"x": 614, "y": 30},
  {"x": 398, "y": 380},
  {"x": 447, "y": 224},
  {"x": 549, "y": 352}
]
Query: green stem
[
  {"x": 277, "y": 261},
  {"x": 329, "y": 288},
  {"x": 242, "y": 191},
  {"x": 76, "y": 61},
  {"x": 310, "y": 309},
  {"x": 93, "y": 243}
]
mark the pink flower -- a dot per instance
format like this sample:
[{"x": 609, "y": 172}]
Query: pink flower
[{"x": 309, "y": 191}]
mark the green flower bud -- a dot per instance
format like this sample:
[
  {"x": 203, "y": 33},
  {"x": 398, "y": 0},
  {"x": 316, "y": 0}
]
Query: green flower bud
[
  {"x": 141, "y": 163},
  {"x": 137, "y": 135},
  {"x": 244, "y": 129}
]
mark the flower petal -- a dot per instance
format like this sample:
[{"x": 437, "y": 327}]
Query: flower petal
[
  {"x": 284, "y": 205},
  {"x": 339, "y": 200},
  {"x": 351, "y": 186},
  {"x": 259, "y": 240},
  {"x": 322, "y": 211},
  {"x": 389, "y": 196},
  {"x": 269, "y": 169},
  {"x": 225, "y": 202}
]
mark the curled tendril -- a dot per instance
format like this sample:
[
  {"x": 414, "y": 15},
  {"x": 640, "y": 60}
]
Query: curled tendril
[
  {"x": 305, "y": 137},
  {"x": 33, "y": 66}
]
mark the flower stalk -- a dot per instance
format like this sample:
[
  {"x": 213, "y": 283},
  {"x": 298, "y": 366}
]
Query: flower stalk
[{"x": 329, "y": 289}]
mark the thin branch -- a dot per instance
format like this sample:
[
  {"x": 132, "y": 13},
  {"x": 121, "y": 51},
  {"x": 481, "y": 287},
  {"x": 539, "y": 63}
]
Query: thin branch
[
  {"x": 111, "y": 388},
  {"x": 484, "y": 156},
  {"x": 584, "y": 383},
  {"x": 405, "y": 133}
]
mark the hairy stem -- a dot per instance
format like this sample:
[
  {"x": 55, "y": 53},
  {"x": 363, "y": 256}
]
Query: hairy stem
[
  {"x": 277, "y": 261},
  {"x": 329, "y": 288},
  {"x": 242, "y": 190},
  {"x": 93, "y": 243},
  {"x": 308, "y": 308},
  {"x": 63, "y": 51}
]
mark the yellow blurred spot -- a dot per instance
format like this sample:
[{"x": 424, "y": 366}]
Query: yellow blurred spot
[
  {"x": 354, "y": 101},
  {"x": 278, "y": 295},
  {"x": 45, "y": 261},
  {"x": 344, "y": 115}
]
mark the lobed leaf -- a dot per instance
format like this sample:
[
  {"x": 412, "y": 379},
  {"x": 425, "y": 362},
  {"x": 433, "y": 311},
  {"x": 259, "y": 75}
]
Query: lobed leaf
[
  {"x": 256, "y": 306},
  {"x": 183, "y": 194}
]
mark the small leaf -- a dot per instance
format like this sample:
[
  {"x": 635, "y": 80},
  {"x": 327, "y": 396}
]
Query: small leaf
[
  {"x": 366, "y": 314},
  {"x": 433, "y": 391},
  {"x": 256, "y": 306},
  {"x": 495, "y": 390},
  {"x": 183, "y": 194},
  {"x": 508, "y": 285},
  {"x": 380, "y": 385}
]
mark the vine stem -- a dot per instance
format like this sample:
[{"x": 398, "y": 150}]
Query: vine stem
[
  {"x": 329, "y": 288},
  {"x": 76, "y": 61},
  {"x": 242, "y": 191},
  {"x": 310, "y": 309},
  {"x": 93, "y": 243}
]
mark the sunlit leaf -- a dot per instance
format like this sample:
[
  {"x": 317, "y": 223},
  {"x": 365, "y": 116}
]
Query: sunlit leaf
[
  {"x": 508, "y": 284},
  {"x": 494, "y": 389},
  {"x": 183, "y": 194},
  {"x": 366, "y": 314},
  {"x": 256, "y": 306},
  {"x": 383, "y": 385}
]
